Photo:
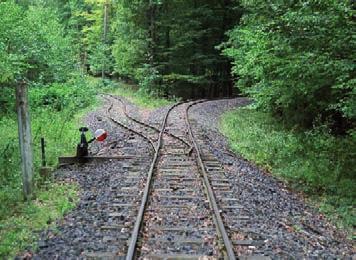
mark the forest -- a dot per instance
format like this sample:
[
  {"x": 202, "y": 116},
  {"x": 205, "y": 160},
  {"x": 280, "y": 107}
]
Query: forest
[{"x": 294, "y": 59}]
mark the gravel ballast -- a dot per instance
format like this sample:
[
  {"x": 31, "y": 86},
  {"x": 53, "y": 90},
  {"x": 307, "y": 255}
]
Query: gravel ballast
[
  {"x": 280, "y": 218},
  {"x": 282, "y": 223}
]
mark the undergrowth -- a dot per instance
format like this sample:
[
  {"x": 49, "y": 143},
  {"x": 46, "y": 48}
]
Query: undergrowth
[
  {"x": 20, "y": 228},
  {"x": 316, "y": 162},
  {"x": 56, "y": 112},
  {"x": 137, "y": 96}
]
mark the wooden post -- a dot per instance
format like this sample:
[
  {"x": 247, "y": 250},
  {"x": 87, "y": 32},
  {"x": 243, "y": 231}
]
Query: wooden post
[{"x": 24, "y": 128}]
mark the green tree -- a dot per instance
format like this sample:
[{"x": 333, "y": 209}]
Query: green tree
[
  {"x": 32, "y": 45},
  {"x": 297, "y": 60},
  {"x": 95, "y": 36},
  {"x": 169, "y": 46}
]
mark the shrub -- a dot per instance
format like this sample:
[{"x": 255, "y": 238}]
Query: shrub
[{"x": 296, "y": 59}]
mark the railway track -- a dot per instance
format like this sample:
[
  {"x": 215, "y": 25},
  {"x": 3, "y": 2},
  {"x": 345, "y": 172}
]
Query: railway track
[
  {"x": 147, "y": 131},
  {"x": 186, "y": 208},
  {"x": 174, "y": 207},
  {"x": 138, "y": 202}
]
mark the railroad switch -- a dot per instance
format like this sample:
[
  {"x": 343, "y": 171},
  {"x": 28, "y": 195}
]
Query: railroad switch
[
  {"x": 82, "y": 147},
  {"x": 82, "y": 154}
]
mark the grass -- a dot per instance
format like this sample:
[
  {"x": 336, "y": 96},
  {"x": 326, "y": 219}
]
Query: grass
[
  {"x": 56, "y": 113},
  {"x": 20, "y": 230},
  {"x": 315, "y": 162},
  {"x": 138, "y": 97}
]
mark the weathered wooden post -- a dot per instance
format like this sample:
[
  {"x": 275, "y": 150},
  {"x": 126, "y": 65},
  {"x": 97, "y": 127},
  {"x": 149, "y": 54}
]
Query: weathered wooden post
[{"x": 24, "y": 127}]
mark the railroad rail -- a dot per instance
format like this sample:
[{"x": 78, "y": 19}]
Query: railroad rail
[
  {"x": 170, "y": 167},
  {"x": 210, "y": 193},
  {"x": 130, "y": 117},
  {"x": 183, "y": 204},
  {"x": 130, "y": 129}
]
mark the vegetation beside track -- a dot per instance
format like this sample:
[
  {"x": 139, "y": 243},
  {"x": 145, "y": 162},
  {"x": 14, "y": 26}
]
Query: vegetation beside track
[
  {"x": 315, "y": 161},
  {"x": 56, "y": 112},
  {"x": 139, "y": 97},
  {"x": 20, "y": 228}
]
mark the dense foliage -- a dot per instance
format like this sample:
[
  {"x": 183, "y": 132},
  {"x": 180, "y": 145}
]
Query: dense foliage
[
  {"x": 32, "y": 45},
  {"x": 166, "y": 46},
  {"x": 170, "y": 45},
  {"x": 297, "y": 60}
]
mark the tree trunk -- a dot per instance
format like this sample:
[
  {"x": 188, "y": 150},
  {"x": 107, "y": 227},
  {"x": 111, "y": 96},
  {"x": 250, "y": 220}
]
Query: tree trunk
[
  {"x": 167, "y": 38},
  {"x": 105, "y": 32},
  {"x": 152, "y": 32}
]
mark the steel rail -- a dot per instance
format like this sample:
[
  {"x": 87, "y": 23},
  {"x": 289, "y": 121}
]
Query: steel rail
[
  {"x": 148, "y": 125},
  {"x": 139, "y": 220},
  {"x": 128, "y": 128},
  {"x": 212, "y": 201}
]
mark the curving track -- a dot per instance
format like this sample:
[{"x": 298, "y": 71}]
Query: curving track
[
  {"x": 137, "y": 126},
  {"x": 185, "y": 205},
  {"x": 179, "y": 215},
  {"x": 175, "y": 204}
]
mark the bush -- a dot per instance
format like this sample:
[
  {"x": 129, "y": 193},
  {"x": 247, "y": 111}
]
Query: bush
[
  {"x": 75, "y": 94},
  {"x": 54, "y": 116},
  {"x": 296, "y": 59}
]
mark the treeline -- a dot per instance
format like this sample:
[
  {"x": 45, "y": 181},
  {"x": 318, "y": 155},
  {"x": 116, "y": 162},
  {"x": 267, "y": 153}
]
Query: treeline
[
  {"x": 170, "y": 46},
  {"x": 296, "y": 59},
  {"x": 167, "y": 47}
]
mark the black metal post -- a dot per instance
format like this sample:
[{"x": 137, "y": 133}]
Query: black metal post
[{"x": 43, "y": 152}]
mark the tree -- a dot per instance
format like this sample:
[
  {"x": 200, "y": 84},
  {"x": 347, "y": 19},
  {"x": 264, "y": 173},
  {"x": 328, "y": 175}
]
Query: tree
[
  {"x": 169, "y": 46},
  {"x": 95, "y": 36},
  {"x": 32, "y": 45},
  {"x": 296, "y": 59}
]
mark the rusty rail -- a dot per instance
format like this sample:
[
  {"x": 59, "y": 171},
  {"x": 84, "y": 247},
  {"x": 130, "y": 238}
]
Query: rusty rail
[
  {"x": 129, "y": 128},
  {"x": 132, "y": 246},
  {"x": 222, "y": 233},
  {"x": 212, "y": 200},
  {"x": 148, "y": 125}
]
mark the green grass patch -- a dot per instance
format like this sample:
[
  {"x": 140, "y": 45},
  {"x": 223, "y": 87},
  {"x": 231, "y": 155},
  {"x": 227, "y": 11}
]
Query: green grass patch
[
  {"x": 56, "y": 114},
  {"x": 316, "y": 162},
  {"x": 137, "y": 96},
  {"x": 28, "y": 218}
]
